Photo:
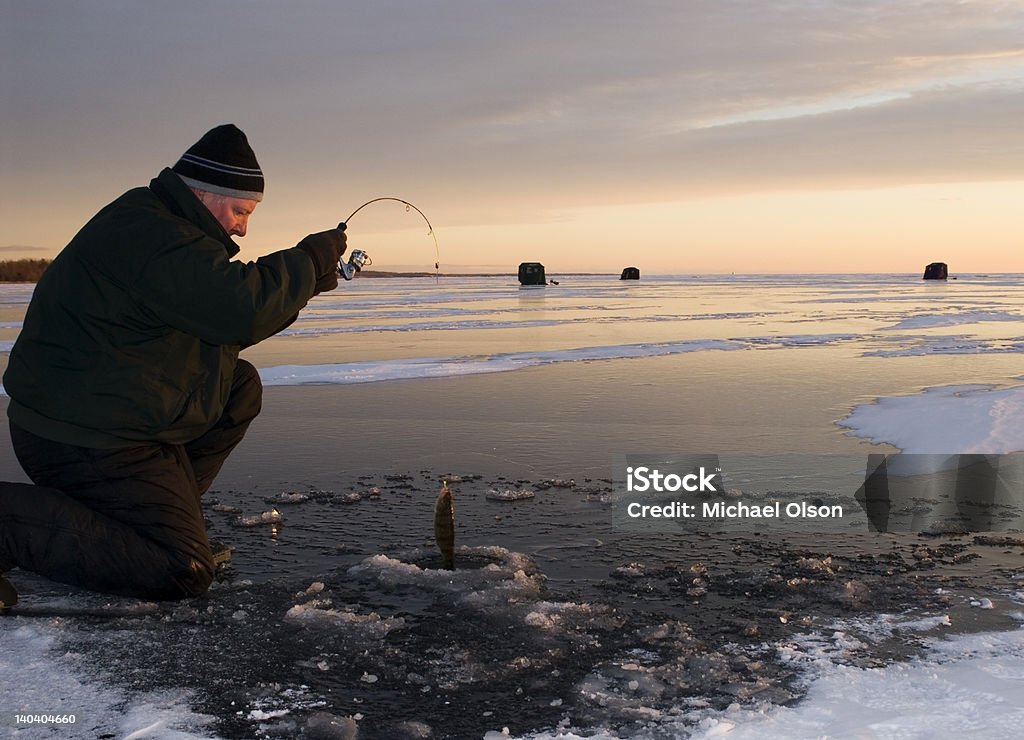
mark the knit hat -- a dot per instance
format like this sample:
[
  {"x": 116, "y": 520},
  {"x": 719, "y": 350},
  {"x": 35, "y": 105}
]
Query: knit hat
[{"x": 222, "y": 162}]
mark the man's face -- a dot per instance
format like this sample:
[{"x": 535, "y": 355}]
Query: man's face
[{"x": 232, "y": 213}]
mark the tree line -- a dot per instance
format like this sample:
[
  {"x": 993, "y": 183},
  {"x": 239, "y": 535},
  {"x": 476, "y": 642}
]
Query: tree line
[{"x": 22, "y": 271}]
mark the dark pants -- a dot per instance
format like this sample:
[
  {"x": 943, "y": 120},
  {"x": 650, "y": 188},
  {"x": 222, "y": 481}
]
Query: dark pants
[{"x": 124, "y": 521}]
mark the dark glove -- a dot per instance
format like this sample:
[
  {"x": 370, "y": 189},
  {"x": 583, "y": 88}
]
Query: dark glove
[{"x": 325, "y": 249}]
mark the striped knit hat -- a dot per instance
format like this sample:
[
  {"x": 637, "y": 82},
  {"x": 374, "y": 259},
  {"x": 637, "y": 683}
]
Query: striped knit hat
[{"x": 222, "y": 162}]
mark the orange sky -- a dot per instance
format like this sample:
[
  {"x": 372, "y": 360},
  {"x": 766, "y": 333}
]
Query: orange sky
[{"x": 680, "y": 137}]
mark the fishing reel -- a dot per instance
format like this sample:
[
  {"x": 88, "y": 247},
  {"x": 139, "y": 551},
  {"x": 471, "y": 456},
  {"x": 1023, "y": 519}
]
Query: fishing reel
[
  {"x": 356, "y": 259},
  {"x": 355, "y": 263}
]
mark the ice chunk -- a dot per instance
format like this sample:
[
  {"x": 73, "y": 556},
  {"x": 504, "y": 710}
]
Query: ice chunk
[
  {"x": 259, "y": 714},
  {"x": 287, "y": 498},
  {"x": 369, "y": 626},
  {"x": 509, "y": 494},
  {"x": 267, "y": 517}
]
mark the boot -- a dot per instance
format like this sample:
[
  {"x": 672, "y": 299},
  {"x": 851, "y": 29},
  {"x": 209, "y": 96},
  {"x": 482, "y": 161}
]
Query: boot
[{"x": 221, "y": 553}]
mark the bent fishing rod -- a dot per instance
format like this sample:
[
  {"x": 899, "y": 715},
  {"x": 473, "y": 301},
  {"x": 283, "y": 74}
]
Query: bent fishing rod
[{"x": 359, "y": 258}]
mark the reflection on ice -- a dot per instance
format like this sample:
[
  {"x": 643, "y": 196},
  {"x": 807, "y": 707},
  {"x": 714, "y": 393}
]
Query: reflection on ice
[
  {"x": 434, "y": 367},
  {"x": 878, "y": 315}
]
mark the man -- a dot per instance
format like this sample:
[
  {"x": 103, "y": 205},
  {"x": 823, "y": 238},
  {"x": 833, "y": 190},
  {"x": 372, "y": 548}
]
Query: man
[{"x": 127, "y": 394}]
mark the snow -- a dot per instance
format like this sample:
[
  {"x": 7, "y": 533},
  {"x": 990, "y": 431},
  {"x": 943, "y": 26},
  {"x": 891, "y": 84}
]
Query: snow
[
  {"x": 37, "y": 678},
  {"x": 970, "y": 685},
  {"x": 954, "y": 419}
]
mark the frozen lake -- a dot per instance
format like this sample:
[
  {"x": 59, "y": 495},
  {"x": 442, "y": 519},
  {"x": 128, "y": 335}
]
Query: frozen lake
[{"x": 557, "y": 623}]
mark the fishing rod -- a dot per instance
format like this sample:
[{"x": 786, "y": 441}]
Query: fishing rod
[{"x": 358, "y": 258}]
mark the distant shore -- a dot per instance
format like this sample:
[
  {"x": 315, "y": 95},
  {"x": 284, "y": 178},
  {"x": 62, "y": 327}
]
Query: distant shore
[
  {"x": 389, "y": 274},
  {"x": 29, "y": 271},
  {"x": 512, "y": 273}
]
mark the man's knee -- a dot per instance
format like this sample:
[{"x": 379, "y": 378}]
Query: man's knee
[{"x": 246, "y": 391}]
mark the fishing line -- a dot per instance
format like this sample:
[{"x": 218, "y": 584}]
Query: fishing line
[
  {"x": 444, "y": 510},
  {"x": 408, "y": 205}
]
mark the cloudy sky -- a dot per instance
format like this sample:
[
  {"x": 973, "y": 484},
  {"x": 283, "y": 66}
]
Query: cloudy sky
[{"x": 678, "y": 135}]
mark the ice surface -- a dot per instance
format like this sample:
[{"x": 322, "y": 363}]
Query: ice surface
[
  {"x": 956, "y": 419},
  {"x": 929, "y": 321},
  {"x": 896, "y": 319},
  {"x": 963, "y": 684},
  {"x": 434, "y": 367}
]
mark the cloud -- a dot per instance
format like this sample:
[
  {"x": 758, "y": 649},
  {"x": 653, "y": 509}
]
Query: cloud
[
  {"x": 21, "y": 249},
  {"x": 502, "y": 110}
]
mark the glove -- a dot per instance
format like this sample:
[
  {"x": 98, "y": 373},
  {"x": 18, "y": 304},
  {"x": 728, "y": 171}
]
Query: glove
[{"x": 325, "y": 250}]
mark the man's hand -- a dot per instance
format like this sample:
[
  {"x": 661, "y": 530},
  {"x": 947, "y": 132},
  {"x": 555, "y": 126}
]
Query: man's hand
[{"x": 325, "y": 250}]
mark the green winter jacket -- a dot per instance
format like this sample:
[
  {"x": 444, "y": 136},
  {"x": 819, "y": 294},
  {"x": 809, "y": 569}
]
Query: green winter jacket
[{"x": 134, "y": 330}]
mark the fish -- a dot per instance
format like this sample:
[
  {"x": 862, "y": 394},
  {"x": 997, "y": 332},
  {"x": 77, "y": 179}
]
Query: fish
[{"x": 444, "y": 526}]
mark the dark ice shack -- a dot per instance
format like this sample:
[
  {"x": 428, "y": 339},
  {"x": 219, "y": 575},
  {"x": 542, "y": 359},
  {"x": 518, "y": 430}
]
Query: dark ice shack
[{"x": 532, "y": 273}]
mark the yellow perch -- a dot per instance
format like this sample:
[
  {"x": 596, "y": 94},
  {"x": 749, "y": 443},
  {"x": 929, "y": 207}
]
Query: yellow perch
[{"x": 444, "y": 526}]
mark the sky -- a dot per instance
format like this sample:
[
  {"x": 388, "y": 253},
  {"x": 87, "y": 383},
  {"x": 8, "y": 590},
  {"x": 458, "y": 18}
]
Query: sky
[{"x": 680, "y": 136}]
